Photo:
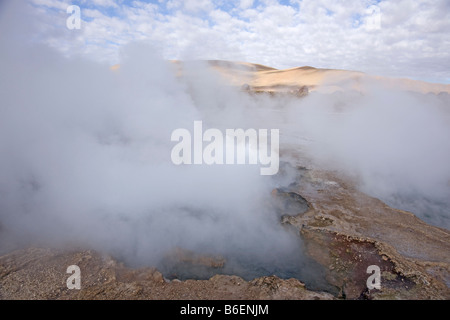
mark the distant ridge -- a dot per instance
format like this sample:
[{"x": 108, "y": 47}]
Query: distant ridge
[{"x": 261, "y": 77}]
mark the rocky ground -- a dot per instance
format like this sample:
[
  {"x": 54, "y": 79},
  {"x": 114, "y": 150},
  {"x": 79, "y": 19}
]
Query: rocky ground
[
  {"x": 37, "y": 273},
  {"x": 343, "y": 229},
  {"x": 347, "y": 231}
]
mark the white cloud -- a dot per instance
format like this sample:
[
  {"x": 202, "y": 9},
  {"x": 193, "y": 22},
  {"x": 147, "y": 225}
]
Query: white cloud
[
  {"x": 104, "y": 3},
  {"x": 412, "y": 40},
  {"x": 58, "y": 4},
  {"x": 245, "y": 4},
  {"x": 101, "y": 3},
  {"x": 190, "y": 6}
]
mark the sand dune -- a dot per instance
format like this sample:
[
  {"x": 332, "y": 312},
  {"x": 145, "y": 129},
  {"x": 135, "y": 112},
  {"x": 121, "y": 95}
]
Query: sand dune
[
  {"x": 258, "y": 77},
  {"x": 263, "y": 78}
]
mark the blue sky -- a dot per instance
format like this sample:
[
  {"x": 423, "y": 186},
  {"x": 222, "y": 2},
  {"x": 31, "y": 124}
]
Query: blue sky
[{"x": 403, "y": 38}]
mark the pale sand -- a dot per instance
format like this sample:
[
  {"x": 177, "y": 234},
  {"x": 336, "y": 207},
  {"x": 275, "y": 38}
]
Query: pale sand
[{"x": 263, "y": 78}]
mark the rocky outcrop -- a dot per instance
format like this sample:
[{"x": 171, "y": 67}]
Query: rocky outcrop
[
  {"x": 342, "y": 229},
  {"x": 347, "y": 231},
  {"x": 37, "y": 273}
]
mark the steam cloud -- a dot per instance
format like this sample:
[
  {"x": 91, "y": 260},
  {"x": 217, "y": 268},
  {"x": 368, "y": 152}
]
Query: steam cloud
[
  {"x": 396, "y": 144},
  {"x": 85, "y": 153},
  {"x": 86, "y": 159}
]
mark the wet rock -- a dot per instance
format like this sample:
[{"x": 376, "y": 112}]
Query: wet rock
[
  {"x": 288, "y": 203},
  {"x": 342, "y": 229},
  {"x": 302, "y": 91},
  {"x": 187, "y": 256},
  {"x": 37, "y": 273},
  {"x": 347, "y": 231}
]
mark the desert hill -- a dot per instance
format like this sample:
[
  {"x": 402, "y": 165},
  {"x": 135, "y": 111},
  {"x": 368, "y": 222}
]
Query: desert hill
[{"x": 263, "y": 78}]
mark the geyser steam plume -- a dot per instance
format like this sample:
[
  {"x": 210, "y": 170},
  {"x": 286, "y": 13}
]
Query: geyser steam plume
[
  {"x": 396, "y": 144},
  {"x": 86, "y": 159},
  {"x": 85, "y": 153}
]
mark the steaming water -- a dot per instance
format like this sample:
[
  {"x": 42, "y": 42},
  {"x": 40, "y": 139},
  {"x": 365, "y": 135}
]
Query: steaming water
[
  {"x": 291, "y": 263},
  {"x": 394, "y": 143},
  {"x": 85, "y": 157},
  {"x": 434, "y": 211},
  {"x": 284, "y": 262}
]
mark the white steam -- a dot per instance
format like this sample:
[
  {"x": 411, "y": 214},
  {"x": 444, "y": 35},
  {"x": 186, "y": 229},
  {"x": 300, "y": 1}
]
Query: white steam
[
  {"x": 85, "y": 158},
  {"x": 397, "y": 144},
  {"x": 85, "y": 153}
]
